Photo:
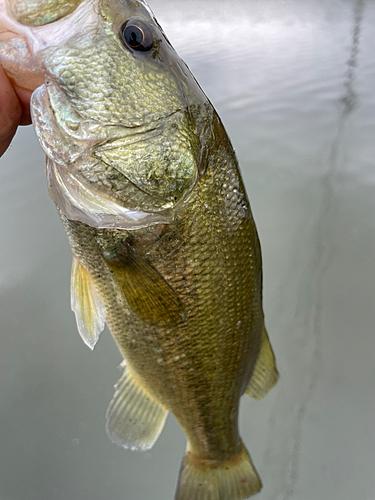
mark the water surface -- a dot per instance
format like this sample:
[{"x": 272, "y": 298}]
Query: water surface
[{"x": 294, "y": 84}]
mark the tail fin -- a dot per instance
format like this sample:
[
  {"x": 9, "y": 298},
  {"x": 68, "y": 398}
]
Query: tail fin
[{"x": 200, "y": 479}]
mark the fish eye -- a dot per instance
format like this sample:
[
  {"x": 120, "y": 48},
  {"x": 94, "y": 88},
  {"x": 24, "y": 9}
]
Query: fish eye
[{"x": 136, "y": 35}]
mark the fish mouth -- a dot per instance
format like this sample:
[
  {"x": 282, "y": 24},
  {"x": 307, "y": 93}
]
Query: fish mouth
[
  {"x": 78, "y": 128},
  {"x": 80, "y": 203},
  {"x": 70, "y": 143},
  {"x": 66, "y": 137}
]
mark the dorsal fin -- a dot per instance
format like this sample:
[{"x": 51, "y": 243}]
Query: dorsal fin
[
  {"x": 86, "y": 304},
  {"x": 265, "y": 374}
]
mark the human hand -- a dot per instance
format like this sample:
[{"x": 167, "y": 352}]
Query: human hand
[{"x": 14, "y": 109}]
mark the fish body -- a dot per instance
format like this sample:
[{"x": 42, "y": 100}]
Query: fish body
[{"x": 165, "y": 248}]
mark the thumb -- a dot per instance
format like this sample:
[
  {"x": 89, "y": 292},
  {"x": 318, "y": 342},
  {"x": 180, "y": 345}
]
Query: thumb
[{"x": 14, "y": 110}]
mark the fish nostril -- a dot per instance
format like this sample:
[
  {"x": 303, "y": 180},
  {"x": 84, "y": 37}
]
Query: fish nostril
[{"x": 74, "y": 126}]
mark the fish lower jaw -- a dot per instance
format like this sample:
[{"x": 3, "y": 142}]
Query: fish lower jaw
[{"x": 77, "y": 202}]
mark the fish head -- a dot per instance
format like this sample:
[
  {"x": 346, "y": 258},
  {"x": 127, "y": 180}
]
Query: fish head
[
  {"x": 119, "y": 116},
  {"x": 39, "y": 12}
]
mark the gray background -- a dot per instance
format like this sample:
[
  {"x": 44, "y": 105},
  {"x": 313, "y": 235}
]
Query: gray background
[{"x": 294, "y": 83}]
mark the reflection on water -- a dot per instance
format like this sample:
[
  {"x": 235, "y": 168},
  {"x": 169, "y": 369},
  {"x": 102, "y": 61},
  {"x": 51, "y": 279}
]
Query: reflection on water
[
  {"x": 293, "y": 83},
  {"x": 309, "y": 321}
]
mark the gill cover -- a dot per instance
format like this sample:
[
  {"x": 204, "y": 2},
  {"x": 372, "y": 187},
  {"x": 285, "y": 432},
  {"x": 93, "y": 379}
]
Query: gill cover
[{"x": 113, "y": 115}]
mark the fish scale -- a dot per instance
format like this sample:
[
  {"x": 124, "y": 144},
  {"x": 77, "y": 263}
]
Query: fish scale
[
  {"x": 165, "y": 249},
  {"x": 205, "y": 313},
  {"x": 210, "y": 261}
]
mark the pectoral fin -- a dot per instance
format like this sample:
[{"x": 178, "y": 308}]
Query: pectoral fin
[
  {"x": 265, "y": 374},
  {"x": 134, "y": 419},
  {"x": 147, "y": 293},
  {"x": 86, "y": 304}
]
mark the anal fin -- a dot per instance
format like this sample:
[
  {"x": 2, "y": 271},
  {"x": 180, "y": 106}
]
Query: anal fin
[
  {"x": 265, "y": 374},
  {"x": 86, "y": 304},
  {"x": 134, "y": 418}
]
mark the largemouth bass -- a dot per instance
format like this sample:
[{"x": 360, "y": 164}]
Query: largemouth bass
[{"x": 165, "y": 248}]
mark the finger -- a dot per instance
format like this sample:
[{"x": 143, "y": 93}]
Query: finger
[
  {"x": 24, "y": 96},
  {"x": 10, "y": 111}
]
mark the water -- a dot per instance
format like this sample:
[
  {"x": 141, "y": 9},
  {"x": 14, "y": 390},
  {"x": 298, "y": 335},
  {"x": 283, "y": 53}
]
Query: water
[{"x": 294, "y": 84}]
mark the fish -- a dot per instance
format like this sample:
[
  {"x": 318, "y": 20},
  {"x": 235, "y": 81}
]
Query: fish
[{"x": 165, "y": 248}]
